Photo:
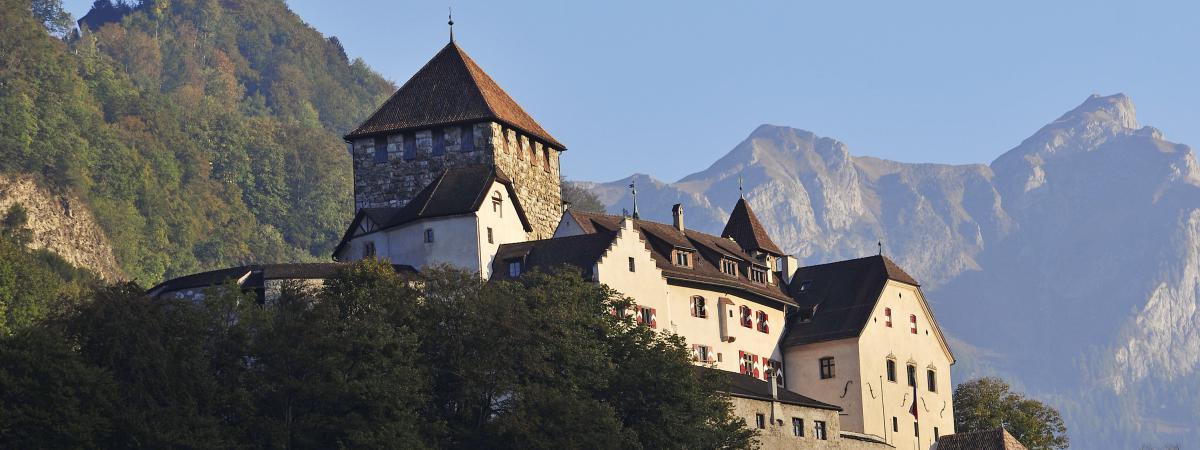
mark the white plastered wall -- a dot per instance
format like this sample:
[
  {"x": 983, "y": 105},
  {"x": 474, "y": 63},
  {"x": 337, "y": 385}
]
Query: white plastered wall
[{"x": 505, "y": 224}]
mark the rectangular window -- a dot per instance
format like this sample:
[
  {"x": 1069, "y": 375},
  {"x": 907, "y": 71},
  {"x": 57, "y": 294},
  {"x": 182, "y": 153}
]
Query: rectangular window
[
  {"x": 514, "y": 268},
  {"x": 702, "y": 353},
  {"x": 887, "y": 314},
  {"x": 647, "y": 316},
  {"x": 369, "y": 249},
  {"x": 776, "y": 368},
  {"x": 912, "y": 375},
  {"x": 439, "y": 141},
  {"x": 491, "y": 240},
  {"x": 429, "y": 235},
  {"x": 746, "y": 320},
  {"x": 466, "y": 138},
  {"x": 935, "y": 434},
  {"x": 891, "y": 370},
  {"x": 763, "y": 326},
  {"x": 819, "y": 430},
  {"x": 699, "y": 309},
  {"x": 912, "y": 321},
  {"x": 758, "y": 275},
  {"x": 797, "y": 427},
  {"x": 760, "y": 420},
  {"x": 410, "y": 147},
  {"x": 931, "y": 380},
  {"x": 683, "y": 258},
  {"x": 632, "y": 266},
  {"x": 498, "y": 203},
  {"x": 748, "y": 363},
  {"x": 895, "y": 425},
  {"x": 728, "y": 267},
  {"x": 827, "y": 368},
  {"x": 381, "y": 149}
]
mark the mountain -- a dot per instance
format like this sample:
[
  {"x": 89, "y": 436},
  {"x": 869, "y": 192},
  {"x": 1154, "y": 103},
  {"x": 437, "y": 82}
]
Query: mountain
[
  {"x": 198, "y": 133},
  {"x": 1070, "y": 264}
]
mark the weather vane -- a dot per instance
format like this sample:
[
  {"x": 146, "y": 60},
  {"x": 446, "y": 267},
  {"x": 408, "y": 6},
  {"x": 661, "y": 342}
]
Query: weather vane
[{"x": 633, "y": 191}]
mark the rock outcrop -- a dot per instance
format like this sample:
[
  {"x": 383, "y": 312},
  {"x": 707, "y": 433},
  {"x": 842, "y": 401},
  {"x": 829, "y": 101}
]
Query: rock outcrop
[{"x": 61, "y": 223}]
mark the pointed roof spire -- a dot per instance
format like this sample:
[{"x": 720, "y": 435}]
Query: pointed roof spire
[
  {"x": 451, "y": 21},
  {"x": 747, "y": 231},
  {"x": 633, "y": 191},
  {"x": 450, "y": 89}
]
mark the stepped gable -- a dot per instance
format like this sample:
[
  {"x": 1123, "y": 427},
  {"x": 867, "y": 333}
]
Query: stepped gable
[
  {"x": 841, "y": 296},
  {"x": 581, "y": 251},
  {"x": 453, "y": 192},
  {"x": 743, "y": 226},
  {"x": 997, "y": 439},
  {"x": 450, "y": 89},
  {"x": 662, "y": 238}
]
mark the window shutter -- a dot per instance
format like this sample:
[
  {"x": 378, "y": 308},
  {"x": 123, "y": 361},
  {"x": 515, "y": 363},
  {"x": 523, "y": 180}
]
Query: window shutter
[
  {"x": 693, "y": 306},
  {"x": 653, "y": 318}
]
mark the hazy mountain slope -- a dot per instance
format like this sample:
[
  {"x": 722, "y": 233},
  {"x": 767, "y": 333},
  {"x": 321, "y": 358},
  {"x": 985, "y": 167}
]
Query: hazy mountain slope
[{"x": 1071, "y": 263}]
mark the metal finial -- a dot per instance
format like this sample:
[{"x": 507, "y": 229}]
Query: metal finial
[
  {"x": 451, "y": 22},
  {"x": 741, "y": 193},
  {"x": 880, "y": 248},
  {"x": 633, "y": 190}
]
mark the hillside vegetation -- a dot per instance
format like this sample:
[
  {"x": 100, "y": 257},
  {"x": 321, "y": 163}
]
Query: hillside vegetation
[{"x": 200, "y": 133}]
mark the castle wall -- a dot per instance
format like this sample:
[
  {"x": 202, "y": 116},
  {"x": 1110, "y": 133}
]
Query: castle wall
[
  {"x": 412, "y": 160},
  {"x": 778, "y": 433}
]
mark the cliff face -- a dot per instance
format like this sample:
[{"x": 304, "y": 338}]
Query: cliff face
[
  {"x": 1069, "y": 265},
  {"x": 62, "y": 224}
]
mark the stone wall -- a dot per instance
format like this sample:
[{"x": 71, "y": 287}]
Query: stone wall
[
  {"x": 414, "y": 158},
  {"x": 779, "y": 435}
]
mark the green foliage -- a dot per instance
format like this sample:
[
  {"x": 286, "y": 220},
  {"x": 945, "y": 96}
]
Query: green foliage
[
  {"x": 987, "y": 404},
  {"x": 201, "y": 134},
  {"x": 13, "y": 227},
  {"x": 370, "y": 359},
  {"x": 580, "y": 198},
  {"x": 32, "y": 282},
  {"x": 52, "y": 15}
]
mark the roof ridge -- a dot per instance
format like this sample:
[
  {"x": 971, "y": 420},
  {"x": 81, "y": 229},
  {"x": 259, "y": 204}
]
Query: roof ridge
[
  {"x": 472, "y": 68},
  {"x": 433, "y": 187}
]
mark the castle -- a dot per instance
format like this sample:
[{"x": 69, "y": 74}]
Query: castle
[{"x": 451, "y": 170}]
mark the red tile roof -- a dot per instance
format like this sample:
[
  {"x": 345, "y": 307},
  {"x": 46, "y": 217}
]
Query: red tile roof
[
  {"x": 450, "y": 89},
  {"x": 743, "y": 226}
]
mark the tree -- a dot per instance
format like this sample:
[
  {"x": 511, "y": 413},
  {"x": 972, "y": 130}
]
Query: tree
[
  {"x": 53, "y": 16},
  {"x": 13, "y": 226},
  {"x": 581, "y": 198},
  {"x": 987, "y": 404}
]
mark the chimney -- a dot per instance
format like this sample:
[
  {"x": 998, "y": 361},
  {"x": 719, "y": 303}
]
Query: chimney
[
  {"x": 789, "y": 268},
  {"x": 677, "y": 213},
  {"x": 774, "y": 385}
]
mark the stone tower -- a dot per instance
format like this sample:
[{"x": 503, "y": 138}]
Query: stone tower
[{"x": 451, "y": 114}]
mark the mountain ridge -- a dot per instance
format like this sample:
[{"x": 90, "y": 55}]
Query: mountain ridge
[{"x": 1082, "y": 237}]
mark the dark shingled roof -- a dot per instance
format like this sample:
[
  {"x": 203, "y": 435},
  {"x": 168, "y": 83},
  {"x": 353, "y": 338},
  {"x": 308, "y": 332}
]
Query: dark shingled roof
[
  {"x": 662, "y": 238},
  {"x": 582, "y": 251},
  {"x": 453, "y": 192},
  {"x": 841, "y": 296},
  {"x": 998, "y": 439},
  {"x": 255, "y": 276},
  {"x": 743, "y": 226},
  {"x": 450, "y": 89},
  {"x": 746, "y": 386}
]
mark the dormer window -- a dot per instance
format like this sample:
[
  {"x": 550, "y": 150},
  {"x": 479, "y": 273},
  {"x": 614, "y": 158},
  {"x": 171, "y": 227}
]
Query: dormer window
[
  {"x": 758, "y": 275},
  {"x": 514, "y": 268},
  {"x": 805, "y": 285},
  {"x": 682, "y": 258},
  {"x": 729, "y": 267}
]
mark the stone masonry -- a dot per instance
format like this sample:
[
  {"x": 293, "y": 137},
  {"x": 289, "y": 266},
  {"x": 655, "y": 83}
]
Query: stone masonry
[{"x": 414, "y": 158}]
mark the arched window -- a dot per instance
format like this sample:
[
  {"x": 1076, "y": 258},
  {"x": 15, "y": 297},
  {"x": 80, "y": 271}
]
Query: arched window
[{"x": 498, "y": 203}]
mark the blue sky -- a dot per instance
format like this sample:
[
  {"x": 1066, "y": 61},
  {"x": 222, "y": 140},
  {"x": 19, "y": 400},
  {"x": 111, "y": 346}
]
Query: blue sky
[{"x": 666, "y": 88}]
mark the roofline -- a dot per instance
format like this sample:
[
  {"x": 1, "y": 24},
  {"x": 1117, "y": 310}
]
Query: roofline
[
  {"x": 354, "y": 135},
  {"x": 679, "y": 280},
  {"x": 817, "y": 405}
]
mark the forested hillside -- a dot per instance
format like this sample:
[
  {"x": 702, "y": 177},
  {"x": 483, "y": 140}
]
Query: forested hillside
[{"x": 200, "y": 133}]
